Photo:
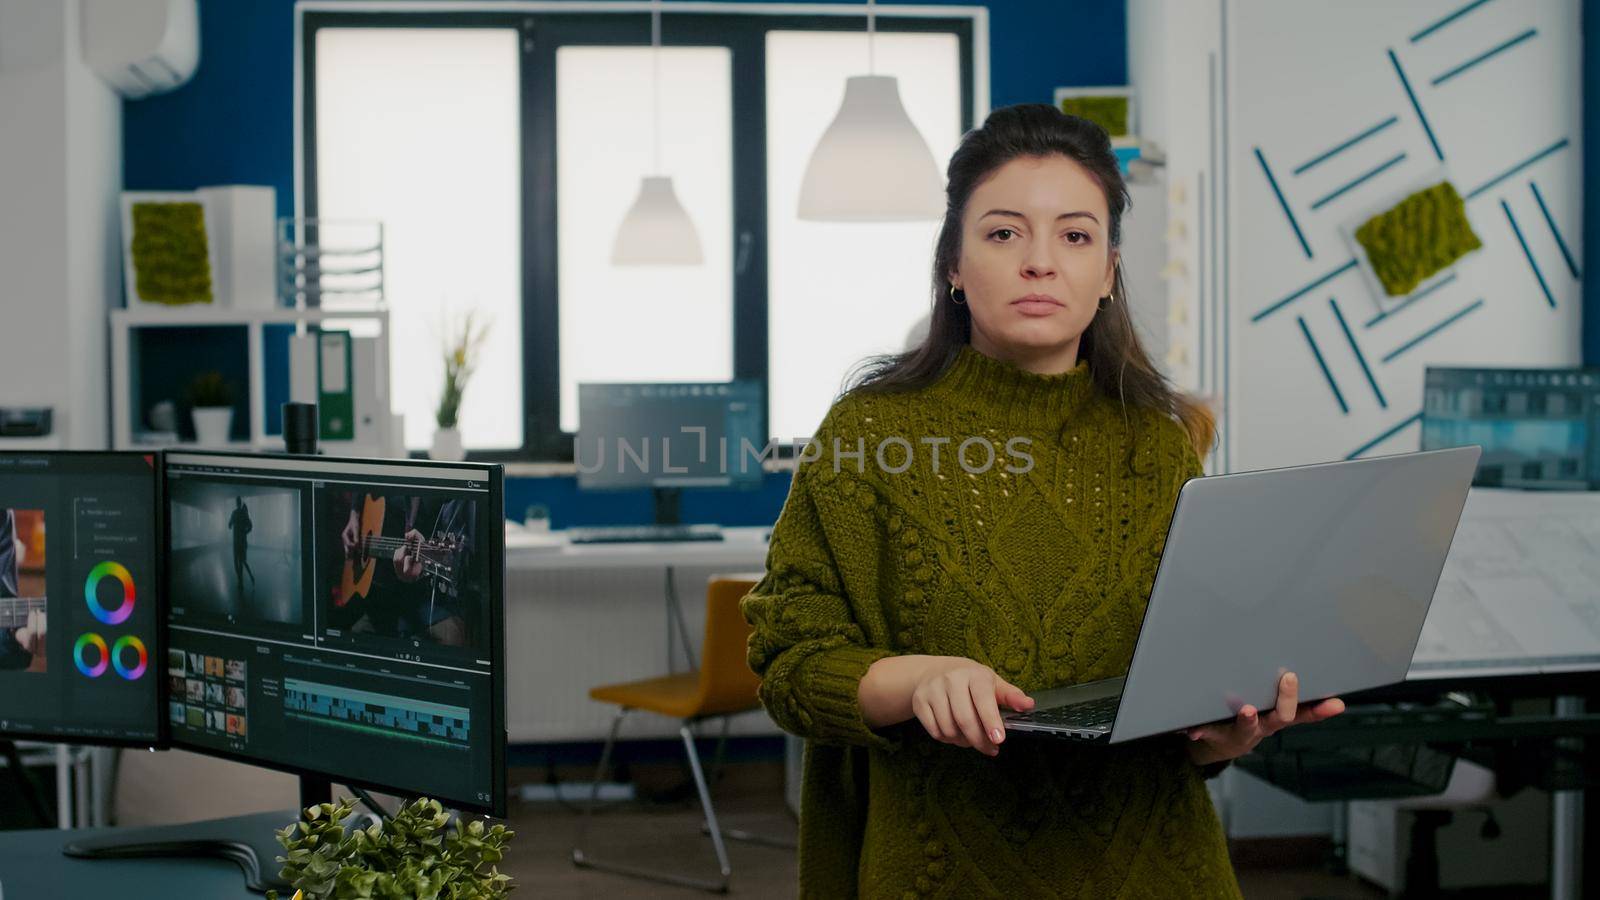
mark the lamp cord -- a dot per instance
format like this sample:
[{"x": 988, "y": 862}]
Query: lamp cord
[
  {"x": 872, "y": 37},
  {"x": 655, "y": 81}
]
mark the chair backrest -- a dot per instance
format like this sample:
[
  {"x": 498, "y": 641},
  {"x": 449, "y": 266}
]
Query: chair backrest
[{"x": 726, "y": 682}]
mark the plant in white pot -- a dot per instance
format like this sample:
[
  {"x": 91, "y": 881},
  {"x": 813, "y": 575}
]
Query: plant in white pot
[
  {"x": 463, "y": 340},
  {"x": 211, "y": 406}
]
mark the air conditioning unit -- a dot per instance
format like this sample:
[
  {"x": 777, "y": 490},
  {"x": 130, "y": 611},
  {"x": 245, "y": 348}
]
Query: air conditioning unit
[{"x": 142, "y": 47}]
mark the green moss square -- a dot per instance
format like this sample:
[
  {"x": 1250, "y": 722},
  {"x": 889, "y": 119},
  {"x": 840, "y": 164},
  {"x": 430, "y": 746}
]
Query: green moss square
[
  {"x": 1421, "y": 236},
  {"x": 1110, "y": 113},
  {"x": 171, "y": 258}
]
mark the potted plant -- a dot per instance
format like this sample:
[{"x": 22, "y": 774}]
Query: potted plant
[
  {"x": 463, "y": 340},
  {"x": 211, "y": 406},
  {"x": 410, "y": 855}
]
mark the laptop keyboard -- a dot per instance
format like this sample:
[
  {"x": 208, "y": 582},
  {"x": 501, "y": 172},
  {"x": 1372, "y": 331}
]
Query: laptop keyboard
[{"x": 1093, "y": 714}]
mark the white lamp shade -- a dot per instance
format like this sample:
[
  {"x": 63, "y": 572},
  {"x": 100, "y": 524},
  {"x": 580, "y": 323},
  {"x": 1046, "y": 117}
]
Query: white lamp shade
[
  {"x": 657, "y": 231},
  {"x": 872, "y": 164}
]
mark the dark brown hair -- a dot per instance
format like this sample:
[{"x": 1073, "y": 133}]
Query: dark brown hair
[{"x": 1118, "y": 363}]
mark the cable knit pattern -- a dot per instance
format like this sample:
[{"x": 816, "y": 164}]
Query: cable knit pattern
[{"x": 1041, "y": 574}]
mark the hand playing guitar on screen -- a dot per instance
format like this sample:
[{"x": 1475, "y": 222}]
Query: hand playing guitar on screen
[
  {"x": 31, "y": 636},
  {"x": 350, "y": 537},
  {"x": 22, "y": 647},
  {"x": 407, "y": 558}
]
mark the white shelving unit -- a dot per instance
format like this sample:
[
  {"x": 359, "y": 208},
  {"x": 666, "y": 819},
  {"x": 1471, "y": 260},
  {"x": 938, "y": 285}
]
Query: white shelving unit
[{"x": 125, "y": 322}]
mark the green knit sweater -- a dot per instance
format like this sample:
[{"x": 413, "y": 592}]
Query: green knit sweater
[{"x": 1039, "y": 566}]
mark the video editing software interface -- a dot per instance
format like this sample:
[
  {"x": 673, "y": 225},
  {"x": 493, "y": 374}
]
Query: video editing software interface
[
  {"x": 338, "y": 617},
  {"x": 78, "y": 590}
]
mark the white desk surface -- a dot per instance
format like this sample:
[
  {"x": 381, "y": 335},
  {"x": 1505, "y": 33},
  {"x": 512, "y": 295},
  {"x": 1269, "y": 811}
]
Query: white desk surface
[
  {"x": 1520, "y": 591},
  {"x": 743, "y": 549}
]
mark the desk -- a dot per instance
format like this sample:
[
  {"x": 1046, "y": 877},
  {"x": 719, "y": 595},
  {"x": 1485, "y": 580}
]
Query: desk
[
  {"x": 579, "y": 615},
  {"x": 32, "y": 867},
  {"x": 741, "y": 548}
]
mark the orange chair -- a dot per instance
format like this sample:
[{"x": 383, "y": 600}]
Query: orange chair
[{"x": 722, "y": 687}]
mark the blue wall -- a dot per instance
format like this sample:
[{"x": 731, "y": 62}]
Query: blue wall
[{"x": 233, "y": 123}]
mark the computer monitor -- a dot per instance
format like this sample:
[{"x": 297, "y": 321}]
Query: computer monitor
[
  {"x": 80, "y": 569},
  {"x": 341, "y": 619},
  {"x": 1537, "y": 427},
  {"x": 670, "y": 436}
]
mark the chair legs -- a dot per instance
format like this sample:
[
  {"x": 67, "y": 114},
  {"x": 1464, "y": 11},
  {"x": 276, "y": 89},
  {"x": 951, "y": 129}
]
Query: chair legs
[
  {"x": 736, "y": 834},
  {"x": 579, "y": 858}
]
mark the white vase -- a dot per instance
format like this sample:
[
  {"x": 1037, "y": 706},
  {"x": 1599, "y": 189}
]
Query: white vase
[
  {"x": 212, "y": 425},
  {"x": 447, "y": 445}
]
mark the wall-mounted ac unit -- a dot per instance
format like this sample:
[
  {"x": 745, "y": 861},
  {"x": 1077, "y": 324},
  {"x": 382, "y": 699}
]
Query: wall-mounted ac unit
[{"x": 142, "y": 47}]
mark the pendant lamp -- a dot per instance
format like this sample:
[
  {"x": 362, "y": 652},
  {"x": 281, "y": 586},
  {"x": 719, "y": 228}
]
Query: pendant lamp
[
  {"x": 656, "y": 231},
  {"x": 872, "y": 165}
]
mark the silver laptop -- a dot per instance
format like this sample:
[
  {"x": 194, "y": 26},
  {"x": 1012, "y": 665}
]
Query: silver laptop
[{"x": 1323, "y": 570}]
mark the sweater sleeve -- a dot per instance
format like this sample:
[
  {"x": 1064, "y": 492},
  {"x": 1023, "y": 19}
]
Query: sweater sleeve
[{"x": 809, "y": 644}]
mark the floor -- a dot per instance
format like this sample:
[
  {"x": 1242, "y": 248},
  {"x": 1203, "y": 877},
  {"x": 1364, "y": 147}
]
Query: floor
[{"x": 665, "y": 832}]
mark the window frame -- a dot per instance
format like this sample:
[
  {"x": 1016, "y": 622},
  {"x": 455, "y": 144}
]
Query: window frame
[{"x": 546, "y": 26}]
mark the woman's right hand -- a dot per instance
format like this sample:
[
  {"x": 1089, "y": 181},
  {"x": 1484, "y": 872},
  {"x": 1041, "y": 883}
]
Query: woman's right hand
[{"x": 956, "y": 699}]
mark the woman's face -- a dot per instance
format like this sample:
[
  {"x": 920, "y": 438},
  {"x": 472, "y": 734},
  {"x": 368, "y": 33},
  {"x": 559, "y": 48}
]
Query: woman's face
[{"x": 1035, "y": 260}]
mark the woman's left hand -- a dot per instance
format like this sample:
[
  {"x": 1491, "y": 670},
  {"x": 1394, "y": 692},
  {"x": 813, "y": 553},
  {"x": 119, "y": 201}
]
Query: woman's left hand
[{"x": 1216, "y": 743}]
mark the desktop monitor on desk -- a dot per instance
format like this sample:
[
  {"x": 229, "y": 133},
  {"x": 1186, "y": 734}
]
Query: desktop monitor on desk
[
  {"x": 1538, "y": 427},
  {"x": 80, "y": 575},
  {"x": 670, "y": 436},
  {"x": 338, "y": 619},
  {"x": 341, "y": 619}
]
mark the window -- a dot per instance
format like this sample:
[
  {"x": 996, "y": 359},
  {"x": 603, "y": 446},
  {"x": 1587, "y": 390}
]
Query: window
[
  {"x": 503, "y": 171},
  {"x": 642, "y": 323},
  {"x": 874, "y": 280},
  {"x": 432, "y": 151}
]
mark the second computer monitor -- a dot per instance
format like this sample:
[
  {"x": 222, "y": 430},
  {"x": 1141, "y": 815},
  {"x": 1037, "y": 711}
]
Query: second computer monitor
[
  {"x": 1537, "y": 427},
  {"x": 341, "y": 618},
  {"x": 708, "y": 434},
  {"x": 79, "y": 597}
]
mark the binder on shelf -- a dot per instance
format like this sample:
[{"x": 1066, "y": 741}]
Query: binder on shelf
[{"x": 335, "y": 396}]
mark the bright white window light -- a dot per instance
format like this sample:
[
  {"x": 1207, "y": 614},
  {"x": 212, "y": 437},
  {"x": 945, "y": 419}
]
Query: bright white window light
[
  {"x": 838, "y": 293},
  {"x": 419, "y": 128},
  {"x": 656, "y": 322}
]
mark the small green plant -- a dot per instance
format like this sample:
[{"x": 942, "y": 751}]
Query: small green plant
[
  {"x": 1419, "y": 237},
  {"x": 210, "y": 389},
  {"x": 412, "y": 855},
  {"x": 171, "y": 259},
  {"x": 463, "y": 340}
]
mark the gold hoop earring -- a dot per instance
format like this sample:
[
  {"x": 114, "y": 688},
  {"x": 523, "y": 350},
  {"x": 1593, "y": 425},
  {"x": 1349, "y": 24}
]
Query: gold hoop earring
[
  {"x": 1106, "y": 302},
  {"x": 959, "y": 301}
]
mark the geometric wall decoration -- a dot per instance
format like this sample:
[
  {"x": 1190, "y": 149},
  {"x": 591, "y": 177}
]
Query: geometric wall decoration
[{"x": 1401, "y": 186}]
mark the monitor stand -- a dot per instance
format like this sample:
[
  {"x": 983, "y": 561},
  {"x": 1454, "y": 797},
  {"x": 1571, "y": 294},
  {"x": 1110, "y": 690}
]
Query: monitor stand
[
  {"x": 250, "y": 841},
  {"x": 666, "y": 504},
  {"x": 24, "y": 784}
]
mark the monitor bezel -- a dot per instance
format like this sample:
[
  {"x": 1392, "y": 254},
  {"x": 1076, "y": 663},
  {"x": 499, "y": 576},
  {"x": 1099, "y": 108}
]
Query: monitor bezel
[{"x": 497, "y": 646}]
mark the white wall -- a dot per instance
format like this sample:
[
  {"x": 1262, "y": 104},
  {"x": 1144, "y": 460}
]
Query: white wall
[
  {"x": 60, "y": 173},
  {"x": 1219, "y": 79},
  {"x": 1304, "y": 77}
]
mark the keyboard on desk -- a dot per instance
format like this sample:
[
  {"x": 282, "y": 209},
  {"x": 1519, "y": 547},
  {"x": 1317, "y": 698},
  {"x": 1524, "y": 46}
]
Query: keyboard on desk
[{"x": 636, "y": 534}]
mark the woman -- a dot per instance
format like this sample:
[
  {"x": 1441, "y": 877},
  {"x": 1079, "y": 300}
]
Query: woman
[{"x": 912, "y": 592}]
